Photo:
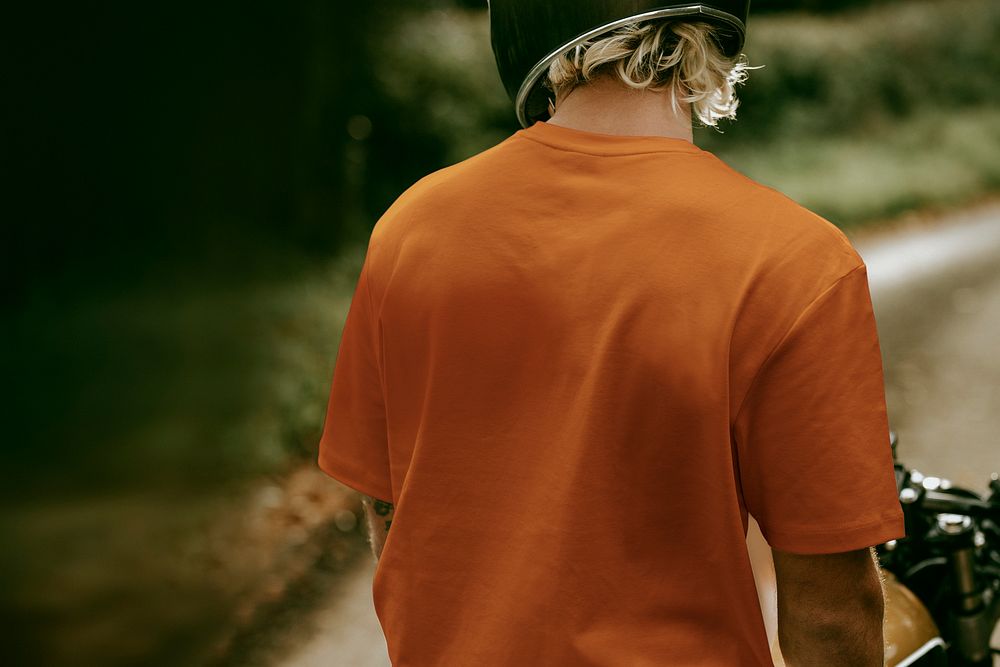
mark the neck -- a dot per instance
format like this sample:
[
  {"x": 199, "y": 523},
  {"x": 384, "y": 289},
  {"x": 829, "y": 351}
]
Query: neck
[{"x": 607, "y": 106}]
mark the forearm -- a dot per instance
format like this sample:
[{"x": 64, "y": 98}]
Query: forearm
[
  {"x": 853, "y": 637},
  {"x": 854, "y": 641},
  {"x": 837, "y": 630}
]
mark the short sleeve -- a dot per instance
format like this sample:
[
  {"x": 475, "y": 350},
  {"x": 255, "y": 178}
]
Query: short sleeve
[
  {"x": 354, "y": 446},
  {"x": 812, "y": 434}
]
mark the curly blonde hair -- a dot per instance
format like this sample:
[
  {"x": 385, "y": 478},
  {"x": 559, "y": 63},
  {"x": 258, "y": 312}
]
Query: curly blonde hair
[{"x": 683, "y": 56}]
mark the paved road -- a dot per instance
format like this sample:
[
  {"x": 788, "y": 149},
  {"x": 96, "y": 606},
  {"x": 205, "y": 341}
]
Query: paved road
[
  {"x": 346, "y": 633},
  {"x": 936, "y": 291}
]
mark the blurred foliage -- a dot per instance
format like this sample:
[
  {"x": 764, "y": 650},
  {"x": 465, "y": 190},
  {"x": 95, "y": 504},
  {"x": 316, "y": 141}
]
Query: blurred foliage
[
  {"x": 928, "y": 161},
  {"x": 194, "y": 185},
  {"x": 834, "y": 87},
  {"x": 841, "y": 75},
  {"x": 761, "y": 6},
  {"x": 813, "y": 6},
  {"x": 854, "y": 73},
  {"x": 171, "y": 304},
  {"x": 438, "y": 71},
  {"x": 231, "y": 138}
]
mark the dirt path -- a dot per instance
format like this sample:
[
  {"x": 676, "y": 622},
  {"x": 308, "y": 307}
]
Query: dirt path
[
  {"x": 936, "y": 292},
  {"x": 936, "y": 289},
  {"x": 347, "y": 631}
]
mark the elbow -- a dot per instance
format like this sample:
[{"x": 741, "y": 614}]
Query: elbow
[
  {"x": 848, "y": 631},
  {"x": 830, "y": 609}
]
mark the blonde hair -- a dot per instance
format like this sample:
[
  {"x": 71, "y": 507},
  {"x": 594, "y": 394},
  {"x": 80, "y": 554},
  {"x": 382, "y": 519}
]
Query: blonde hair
[{"x": 683, "y": 56}]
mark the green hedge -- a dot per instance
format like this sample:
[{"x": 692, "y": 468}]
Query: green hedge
[
  {"x": 849, "y": 73},
  {"x": 893, "y": 92}
]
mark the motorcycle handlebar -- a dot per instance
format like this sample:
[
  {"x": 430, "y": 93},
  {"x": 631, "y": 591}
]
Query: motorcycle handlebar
[{"x": 938, "y": 502}]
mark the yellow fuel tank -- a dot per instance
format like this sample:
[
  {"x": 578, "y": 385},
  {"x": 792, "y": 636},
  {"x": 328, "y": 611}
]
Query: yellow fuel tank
[{"x": 910, "y": 631}]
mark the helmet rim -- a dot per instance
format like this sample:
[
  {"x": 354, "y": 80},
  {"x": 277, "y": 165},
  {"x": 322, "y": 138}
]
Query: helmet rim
[{"x": 732, "y": 44}]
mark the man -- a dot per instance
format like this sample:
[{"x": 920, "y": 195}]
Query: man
[{"x": 576, "y": 361}]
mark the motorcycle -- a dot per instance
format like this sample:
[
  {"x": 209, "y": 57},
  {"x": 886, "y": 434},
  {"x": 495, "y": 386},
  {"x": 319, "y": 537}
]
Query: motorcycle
[{"x": 942, "y": 581}]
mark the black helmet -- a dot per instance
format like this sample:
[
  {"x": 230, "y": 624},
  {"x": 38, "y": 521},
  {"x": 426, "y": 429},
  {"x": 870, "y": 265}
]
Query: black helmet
[{"x": 527, "y": 35}]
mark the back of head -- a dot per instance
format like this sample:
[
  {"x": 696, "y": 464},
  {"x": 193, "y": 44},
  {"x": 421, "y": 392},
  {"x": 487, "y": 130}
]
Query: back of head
[
  {"x": 681, "y": 57},
  {"x": 545, "y": 49}
]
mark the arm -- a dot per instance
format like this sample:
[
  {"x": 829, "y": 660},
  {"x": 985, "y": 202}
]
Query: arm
[
  {"x": 830, "y": 608},
  {"x": 379, "y": 513}
]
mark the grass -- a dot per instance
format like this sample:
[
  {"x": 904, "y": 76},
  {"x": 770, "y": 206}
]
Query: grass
[
  {"x": 932, "y": 159},
  {"x": 856, "y": 72}
]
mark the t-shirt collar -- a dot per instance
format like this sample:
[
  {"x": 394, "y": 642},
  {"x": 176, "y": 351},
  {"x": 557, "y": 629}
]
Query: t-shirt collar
[{"x": 596, "y": 143}]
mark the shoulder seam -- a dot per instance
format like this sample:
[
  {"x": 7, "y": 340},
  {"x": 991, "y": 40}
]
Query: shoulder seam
[
  {"x": 764, "y": 189},
  {"x": 788, "y": 332}
]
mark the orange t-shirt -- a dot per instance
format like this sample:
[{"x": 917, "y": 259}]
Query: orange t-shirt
[{"x": 574, "y": 362}]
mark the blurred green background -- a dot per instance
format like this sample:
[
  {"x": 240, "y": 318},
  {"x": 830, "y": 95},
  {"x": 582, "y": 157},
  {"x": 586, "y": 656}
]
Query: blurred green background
[{"x": 193, "y": 186}]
